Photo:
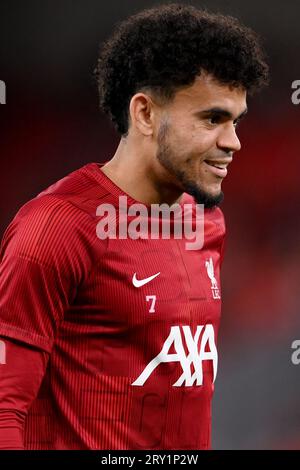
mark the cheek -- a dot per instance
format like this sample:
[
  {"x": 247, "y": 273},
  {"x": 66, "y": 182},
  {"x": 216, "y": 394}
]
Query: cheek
[
  {"x": 201, "y": 139},
  {"x": 198, "y": 148},
  {"x": 205, "y": 138},
  {"x": 191, "y": 140}
]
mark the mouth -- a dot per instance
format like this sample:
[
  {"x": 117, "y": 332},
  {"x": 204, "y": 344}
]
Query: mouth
[{"x": 218, "y": 168}]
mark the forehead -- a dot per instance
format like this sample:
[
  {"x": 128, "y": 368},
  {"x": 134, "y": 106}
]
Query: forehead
[{"x": 206, "y": 92}]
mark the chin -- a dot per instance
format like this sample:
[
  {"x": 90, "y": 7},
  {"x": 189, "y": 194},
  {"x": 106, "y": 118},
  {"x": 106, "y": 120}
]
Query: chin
[
  {"x": 214, "y": 194},
  {"x": 204, "y": 195}
]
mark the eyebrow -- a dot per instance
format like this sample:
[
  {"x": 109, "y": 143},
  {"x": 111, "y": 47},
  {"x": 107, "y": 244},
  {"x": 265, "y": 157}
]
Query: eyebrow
[{"x": 223, "y": 113}]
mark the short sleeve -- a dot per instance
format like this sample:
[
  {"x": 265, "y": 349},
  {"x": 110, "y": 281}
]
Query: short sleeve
[{"x": 42, "y": 261}]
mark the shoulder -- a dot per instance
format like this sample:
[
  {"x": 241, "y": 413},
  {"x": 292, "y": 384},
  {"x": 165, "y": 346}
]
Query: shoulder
[
  {"x": 63, "y": 212},
  {"x": 52, "y": 232},
  {"x": 83, "y": 188}
]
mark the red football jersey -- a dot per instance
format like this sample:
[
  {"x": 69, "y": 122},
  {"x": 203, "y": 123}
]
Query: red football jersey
[{"x": 130, "y": 324}]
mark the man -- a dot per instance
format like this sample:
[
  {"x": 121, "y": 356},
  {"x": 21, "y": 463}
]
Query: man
[{"x": 110, "y": 342}]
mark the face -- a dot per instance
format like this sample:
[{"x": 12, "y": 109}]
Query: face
[{"x": 197, "y": 137}]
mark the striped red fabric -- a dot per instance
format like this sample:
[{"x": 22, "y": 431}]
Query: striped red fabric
[{"x": 130, "y": 367}]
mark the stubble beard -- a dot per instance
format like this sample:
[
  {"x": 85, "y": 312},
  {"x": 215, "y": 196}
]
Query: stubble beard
[{"x": 167, "y": 159}]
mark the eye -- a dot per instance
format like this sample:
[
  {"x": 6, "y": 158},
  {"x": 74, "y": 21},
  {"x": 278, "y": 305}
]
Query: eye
[{"x": 214, "y": 119}]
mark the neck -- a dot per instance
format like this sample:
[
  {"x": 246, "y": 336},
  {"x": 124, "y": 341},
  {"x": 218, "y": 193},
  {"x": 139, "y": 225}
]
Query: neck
[{"x": 138, "y": 176}]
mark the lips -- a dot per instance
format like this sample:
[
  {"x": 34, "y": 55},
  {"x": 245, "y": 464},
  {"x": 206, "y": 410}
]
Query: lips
[
  {"x": 218, "y": 167},
  {"x": 218, "y": 163}
]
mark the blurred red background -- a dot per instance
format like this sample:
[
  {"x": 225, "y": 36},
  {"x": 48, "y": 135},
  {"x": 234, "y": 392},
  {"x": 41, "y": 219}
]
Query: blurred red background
[{"x": 51, "y": 126}]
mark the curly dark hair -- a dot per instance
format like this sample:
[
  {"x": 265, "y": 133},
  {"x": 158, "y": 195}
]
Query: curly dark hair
[{"x": 164, "y": 48}]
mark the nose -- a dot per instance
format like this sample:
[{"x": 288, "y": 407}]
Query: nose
[{"x": 228, "y": 141}]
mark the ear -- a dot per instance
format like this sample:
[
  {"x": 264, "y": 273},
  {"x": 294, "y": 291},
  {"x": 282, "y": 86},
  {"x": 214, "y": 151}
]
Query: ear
[{"x": 142, "y": 113}]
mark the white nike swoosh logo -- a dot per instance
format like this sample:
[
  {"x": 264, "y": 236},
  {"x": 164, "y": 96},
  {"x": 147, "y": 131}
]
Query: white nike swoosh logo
[{"x": 141, "y": 282}]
